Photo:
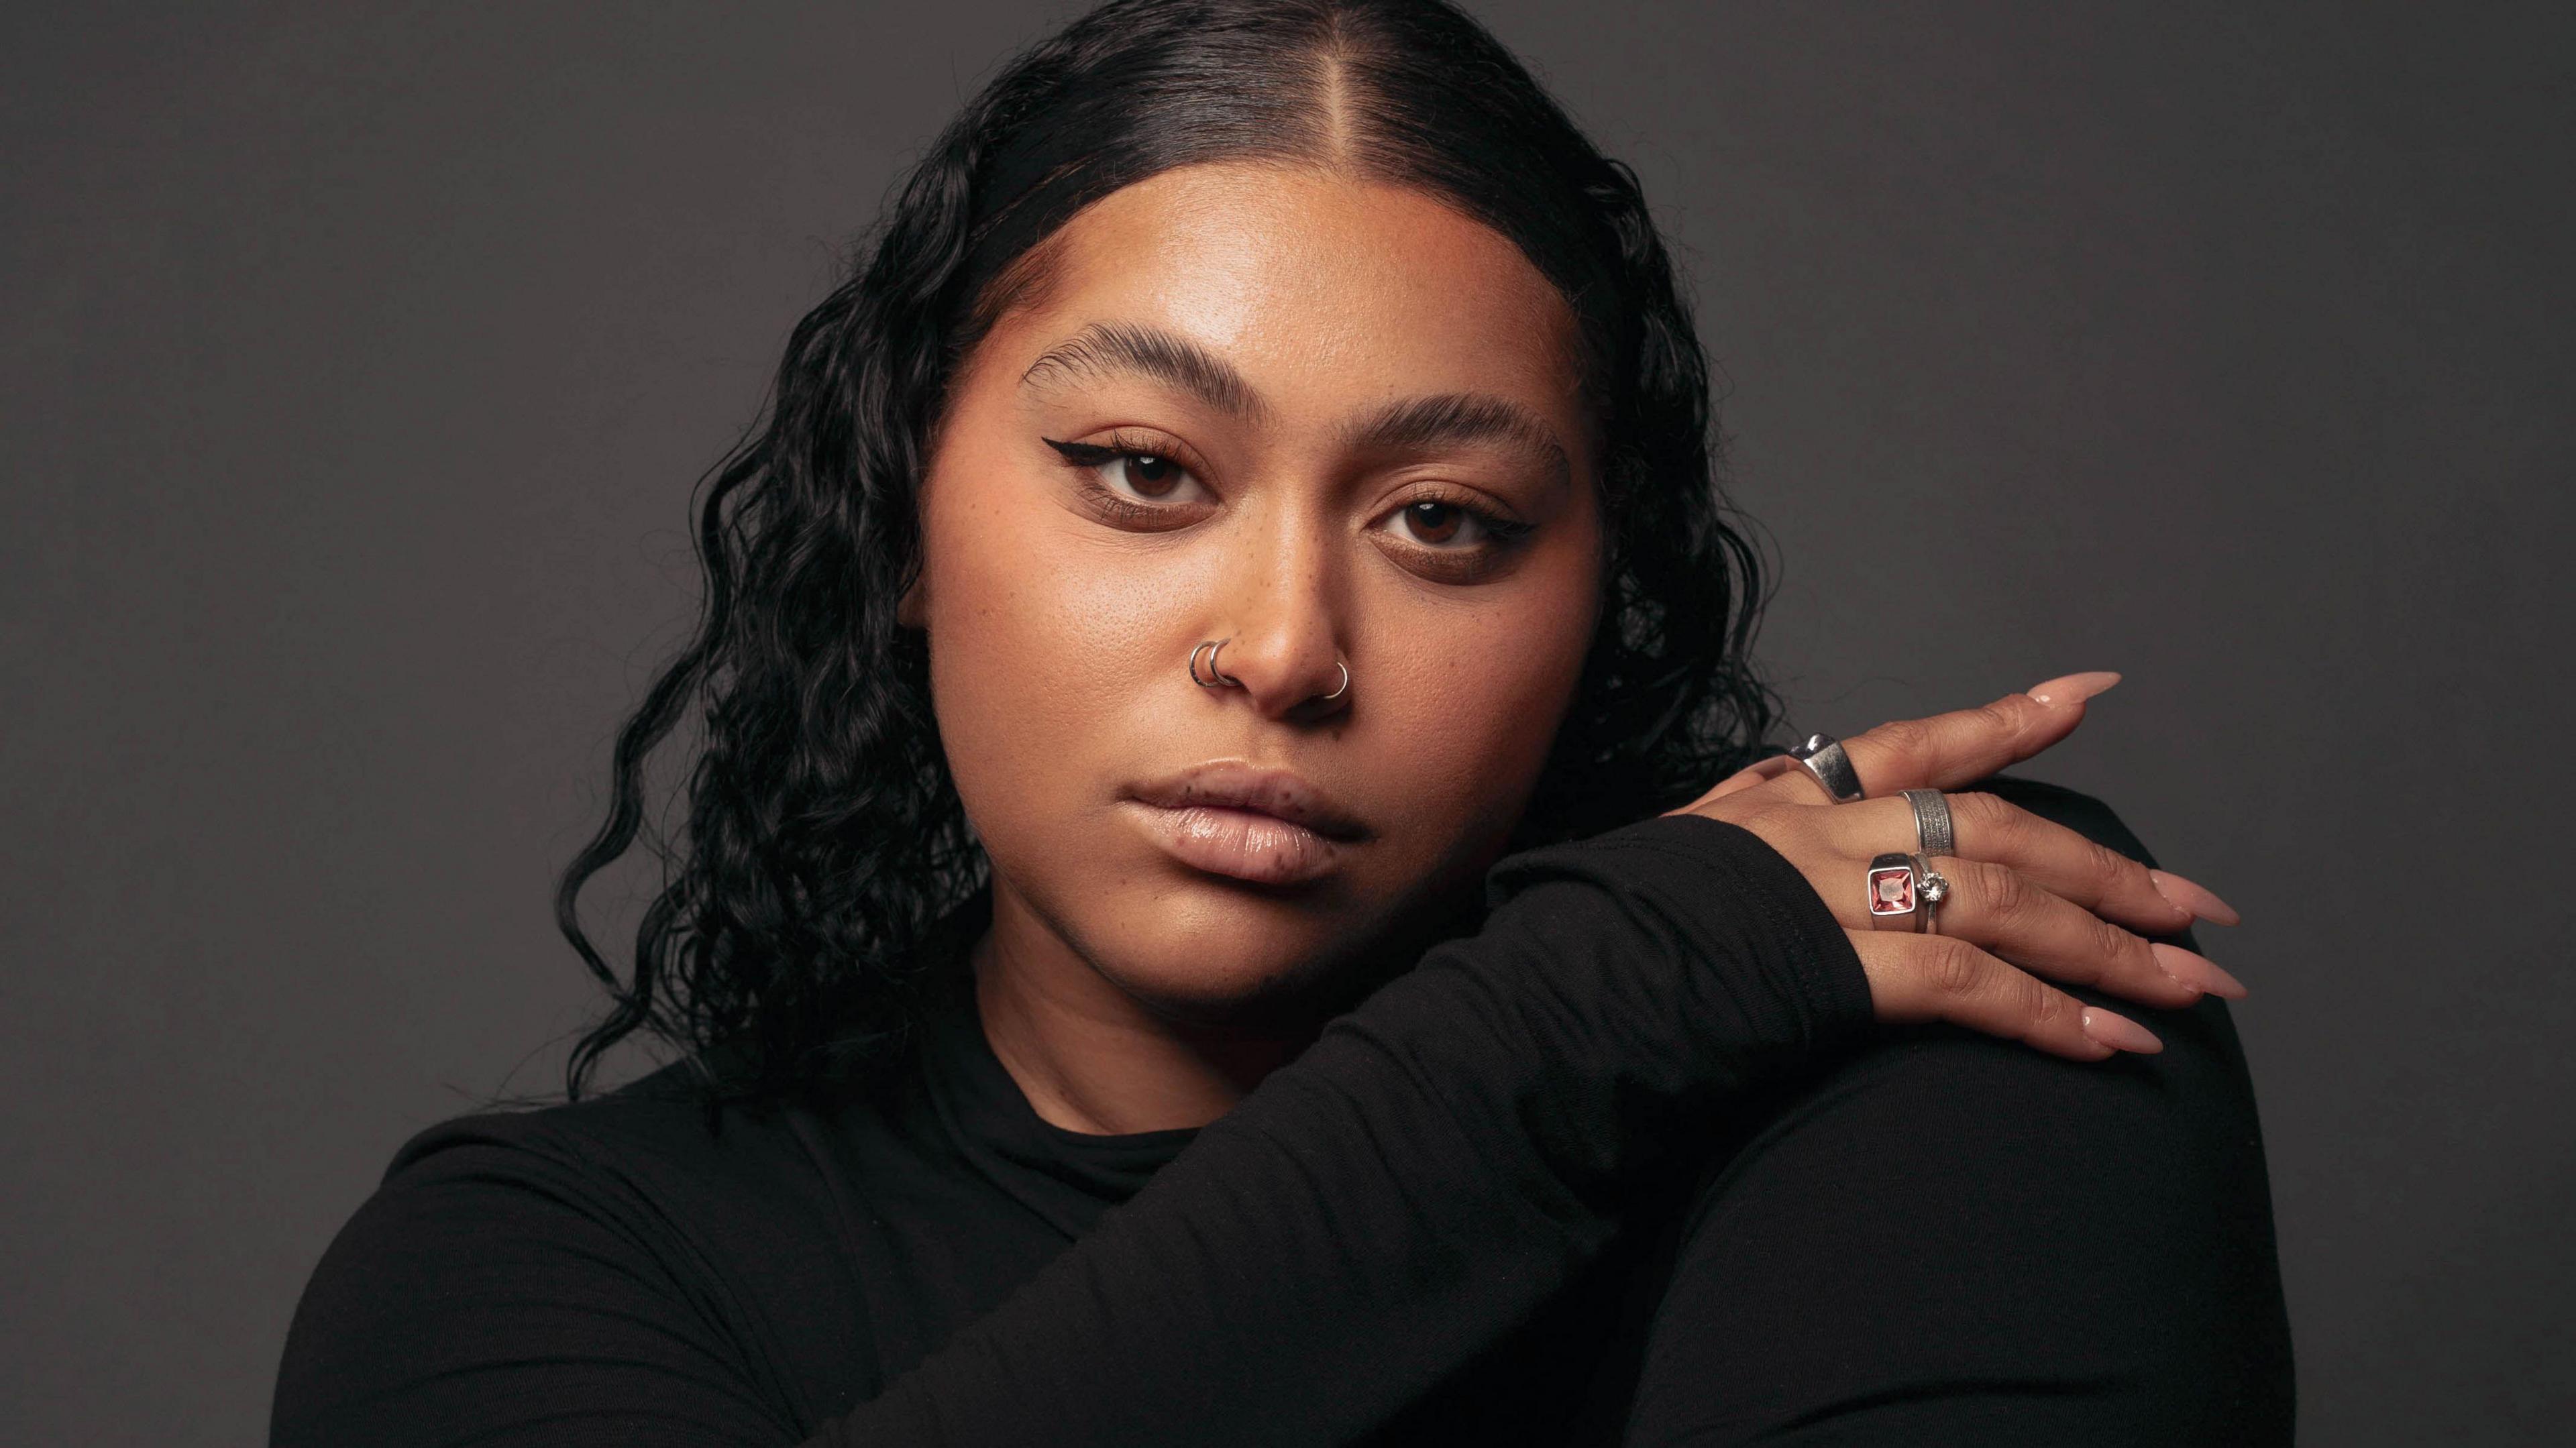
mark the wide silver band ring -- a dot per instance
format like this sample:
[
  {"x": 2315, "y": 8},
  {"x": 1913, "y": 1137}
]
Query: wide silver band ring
[
  {"x": 1823, "y": 758},
  {"x": 1905, "y": 893},
  {"x": 1932, "y": 831}
]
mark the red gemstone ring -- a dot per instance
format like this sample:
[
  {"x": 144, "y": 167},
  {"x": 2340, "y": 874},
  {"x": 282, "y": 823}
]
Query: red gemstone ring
[{"x": 1905, "y": 892}]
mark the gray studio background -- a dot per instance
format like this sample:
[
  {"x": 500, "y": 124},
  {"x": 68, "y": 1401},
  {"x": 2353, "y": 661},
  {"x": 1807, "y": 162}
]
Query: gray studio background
[{"x": 357, "y": 364}]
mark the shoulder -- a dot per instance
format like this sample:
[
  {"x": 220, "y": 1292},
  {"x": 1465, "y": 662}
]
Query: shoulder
[
  {"x": 653, "y": 1128},
  {"x": 1982, "y": 1212},
  {"x": 646, "y": 1158},
  {"x": 580, "y": 1259}
]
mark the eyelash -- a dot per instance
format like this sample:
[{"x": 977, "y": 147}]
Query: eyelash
[{"x": 1088, "y": 458}]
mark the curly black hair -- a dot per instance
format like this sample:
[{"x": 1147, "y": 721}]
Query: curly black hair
[{"x": 824, "y": 838}]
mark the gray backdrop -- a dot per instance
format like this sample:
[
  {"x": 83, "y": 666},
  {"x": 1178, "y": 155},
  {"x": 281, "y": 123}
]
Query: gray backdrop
[{"x": 357, "y": 368}]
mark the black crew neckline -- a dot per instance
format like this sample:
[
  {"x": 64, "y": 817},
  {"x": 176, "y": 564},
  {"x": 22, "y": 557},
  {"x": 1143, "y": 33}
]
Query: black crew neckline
[{"x": 991, "y": 1118}]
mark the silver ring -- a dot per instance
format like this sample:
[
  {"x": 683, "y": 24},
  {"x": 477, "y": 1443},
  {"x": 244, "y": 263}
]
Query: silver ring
[
  {"x": 1934, "y": 887},
  {"x": 1932, "y": 832},
  {"x": 1822, "y": 756},
  {"x": 1210, "y": 647},
  {"x": 1895, "y": 892}
]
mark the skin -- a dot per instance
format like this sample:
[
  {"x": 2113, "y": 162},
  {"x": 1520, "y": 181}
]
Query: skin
[{"x": 1125, "y": 990}]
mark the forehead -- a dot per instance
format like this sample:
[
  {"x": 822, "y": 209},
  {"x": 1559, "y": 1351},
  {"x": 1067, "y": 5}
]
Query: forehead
[{"x": 1304, "y": 277}]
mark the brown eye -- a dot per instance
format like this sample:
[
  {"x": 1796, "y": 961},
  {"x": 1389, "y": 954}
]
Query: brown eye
[
  {"x": 1434, "y": 522},
  {"x": 1149, "y": 475}
]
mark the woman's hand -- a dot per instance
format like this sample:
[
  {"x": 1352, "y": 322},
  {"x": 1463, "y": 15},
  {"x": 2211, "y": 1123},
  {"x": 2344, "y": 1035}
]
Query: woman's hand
[{"x": 2028, "y": 898}]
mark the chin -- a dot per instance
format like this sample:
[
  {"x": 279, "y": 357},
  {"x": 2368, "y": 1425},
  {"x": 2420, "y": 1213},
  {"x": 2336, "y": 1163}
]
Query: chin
[{"x": 1227, "y": 967}]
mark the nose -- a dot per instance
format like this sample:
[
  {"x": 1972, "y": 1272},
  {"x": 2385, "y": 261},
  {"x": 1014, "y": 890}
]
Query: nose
[{"x": 1280, "y": 628}]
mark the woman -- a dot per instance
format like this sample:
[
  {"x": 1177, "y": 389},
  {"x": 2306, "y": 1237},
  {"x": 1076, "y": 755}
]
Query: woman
[{"x": 1236, "y": 889}]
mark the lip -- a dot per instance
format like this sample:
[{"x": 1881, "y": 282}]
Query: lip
[{"x": 1230, "y": 817}]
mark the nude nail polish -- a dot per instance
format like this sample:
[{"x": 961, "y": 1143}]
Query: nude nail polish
[
  {"x": 2195, "y": 898},
  {"x": 2119, "y": 1032},
  {"x": 2071, "y": 689},
  {"x": 2198, "y": 971}
]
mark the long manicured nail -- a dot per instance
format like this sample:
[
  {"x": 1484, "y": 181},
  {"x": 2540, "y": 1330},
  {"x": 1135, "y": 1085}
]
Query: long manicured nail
[
  {"x": 2198, "y": 971},
  {"x": 2194, "y": 898},
  {"x": 2119, "y": 1032},
  {"x": 2070, "y": 689}
]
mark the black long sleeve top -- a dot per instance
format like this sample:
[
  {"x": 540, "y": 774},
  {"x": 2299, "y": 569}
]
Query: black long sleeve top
[{"x": 1629, "y": 1163}]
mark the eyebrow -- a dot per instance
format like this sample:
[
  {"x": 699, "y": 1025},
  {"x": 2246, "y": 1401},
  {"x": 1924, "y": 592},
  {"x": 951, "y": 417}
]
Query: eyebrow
[
  {"x": 1104, "y": 349},
  {"x": 1460, "y": 417}
]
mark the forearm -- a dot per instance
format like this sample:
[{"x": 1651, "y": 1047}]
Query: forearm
[{"x": 1443, "y": 1159}]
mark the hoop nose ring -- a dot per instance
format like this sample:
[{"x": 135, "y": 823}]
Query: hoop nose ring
[
  {"x": 1213, "y": 647},
  {"x": 1210, "y": 648}
]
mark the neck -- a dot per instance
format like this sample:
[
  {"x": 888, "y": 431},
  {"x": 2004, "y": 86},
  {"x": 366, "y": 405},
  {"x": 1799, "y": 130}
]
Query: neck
[{"x": 1093, "y": 1059}]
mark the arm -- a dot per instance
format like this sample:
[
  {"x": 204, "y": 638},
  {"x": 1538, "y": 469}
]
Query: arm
[
  {"x": 1949, "y": 1240},
  {"x": 1441, "y": 1160},
  {"x": 1431, "y": 1170}
]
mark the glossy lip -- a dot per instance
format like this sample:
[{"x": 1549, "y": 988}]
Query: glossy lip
[
  {"x": 1235, "y": 784},
  {"x": 1238, "y": 819}
]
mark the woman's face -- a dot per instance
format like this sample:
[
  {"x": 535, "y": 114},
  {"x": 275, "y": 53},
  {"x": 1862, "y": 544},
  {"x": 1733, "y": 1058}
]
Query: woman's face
[{"x": 1362, "y": 441}]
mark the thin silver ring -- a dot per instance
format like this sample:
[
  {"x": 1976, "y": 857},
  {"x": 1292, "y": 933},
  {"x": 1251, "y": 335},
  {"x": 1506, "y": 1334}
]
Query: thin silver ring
[
  {"x": 1932, "y": 831},
  {"x": 1823, "y": 758},
  {"x": 1932, "y": 887},
  {"x": 1211, "y": 647}
]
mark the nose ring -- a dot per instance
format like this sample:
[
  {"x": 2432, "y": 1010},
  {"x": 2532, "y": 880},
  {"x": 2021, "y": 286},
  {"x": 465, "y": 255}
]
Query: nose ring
[
  {"x": 1210, "y": 649},
  {"x": 1213, "y": 646}
]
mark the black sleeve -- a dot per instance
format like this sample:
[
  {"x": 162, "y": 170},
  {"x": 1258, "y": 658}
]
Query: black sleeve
[
  {"x": 1417, "y": 1182},
  {"x": 506, "y": 1285},
  {"x": 1953, "y": 1239}
]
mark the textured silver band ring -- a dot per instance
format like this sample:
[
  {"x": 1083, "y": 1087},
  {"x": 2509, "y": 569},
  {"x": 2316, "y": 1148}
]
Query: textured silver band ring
[
  {"x": 1823, "y": 758},
  {"x": 1932, "y": 831}
]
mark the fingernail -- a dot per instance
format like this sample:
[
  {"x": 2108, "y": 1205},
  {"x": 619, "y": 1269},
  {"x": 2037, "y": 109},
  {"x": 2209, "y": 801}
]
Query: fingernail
[
  {"x": 2197, "y": 970},
  {"x": 2119, "y": 1032},
  {"x": 2194, "y": 898},
  {"x": 2073, "y": 688}
]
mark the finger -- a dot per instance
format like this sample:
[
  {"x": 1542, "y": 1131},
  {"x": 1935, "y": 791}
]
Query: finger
[
  {"x": 2076, "y": 868},
  {"x": 2014, "y": 917},
  {"x": 1984, "y": 827},
  {"x": 1938, "y": 977},
  {"x": 1949, "y": 750},
  {"x": 1759, "y": 771}
]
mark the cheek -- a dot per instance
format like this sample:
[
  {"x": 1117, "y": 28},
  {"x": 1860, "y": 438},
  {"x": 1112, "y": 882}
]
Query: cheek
[
  {"x": 1036, "y": 647},
  {"x": 1464, "y": 726}
]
